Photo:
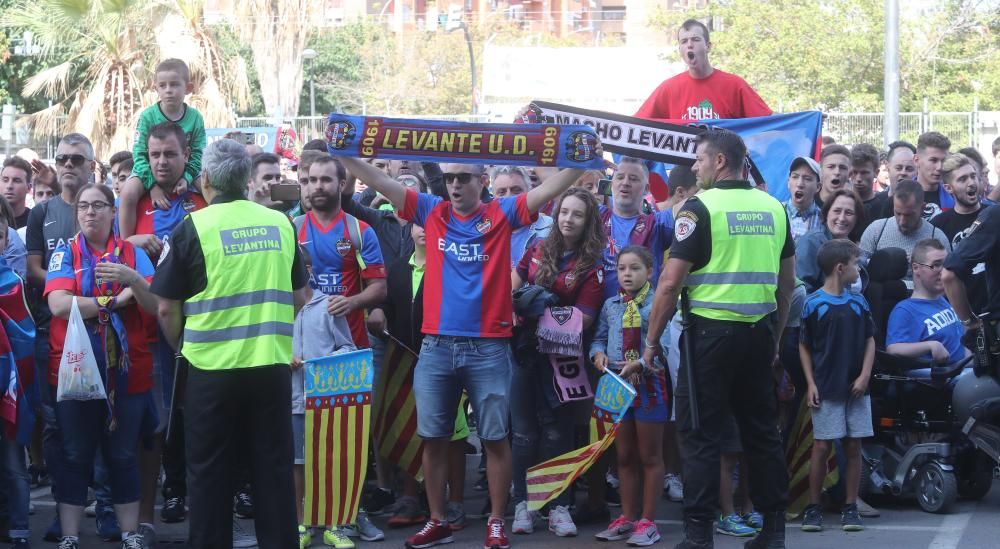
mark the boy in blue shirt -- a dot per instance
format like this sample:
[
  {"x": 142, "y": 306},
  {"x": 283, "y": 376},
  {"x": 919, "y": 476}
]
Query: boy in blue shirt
[
  {"x": 837, "y": 349},
  {"x": 925, "y": 326}
]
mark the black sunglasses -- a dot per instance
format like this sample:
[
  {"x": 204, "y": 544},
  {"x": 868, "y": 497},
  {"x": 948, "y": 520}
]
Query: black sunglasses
[
  {"x": 462, "y": 178},
  {"x": 75, "y": 159}
]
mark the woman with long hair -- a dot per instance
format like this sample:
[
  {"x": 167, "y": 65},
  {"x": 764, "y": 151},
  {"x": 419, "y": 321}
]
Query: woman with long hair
[{"x": 568, "y": 265}]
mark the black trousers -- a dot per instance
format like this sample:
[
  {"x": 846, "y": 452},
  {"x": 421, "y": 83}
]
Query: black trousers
[
  {"x": 732, "y": 370},
  {"x": 234, "y": 414},
  {"x": 174, "y": 470}
]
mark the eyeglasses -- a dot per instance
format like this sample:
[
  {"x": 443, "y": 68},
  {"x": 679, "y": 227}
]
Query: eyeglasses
[
  {"x": 76, "y": 159},
  {"x": 462, "y": 178},
  {"x": 933, "y": 267},
  {"x": 98, "y": 206}
]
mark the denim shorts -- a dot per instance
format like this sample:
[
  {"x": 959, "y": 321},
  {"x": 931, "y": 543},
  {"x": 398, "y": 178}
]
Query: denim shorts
[{"x": 481, "y": 366}]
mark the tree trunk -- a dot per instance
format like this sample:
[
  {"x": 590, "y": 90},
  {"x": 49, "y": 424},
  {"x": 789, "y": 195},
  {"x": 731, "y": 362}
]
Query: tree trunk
[{"x": 277, "y": 31}]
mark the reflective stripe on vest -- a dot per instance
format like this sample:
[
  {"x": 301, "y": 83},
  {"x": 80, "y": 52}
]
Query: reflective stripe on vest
[
  {"x": 748, "y": 230},
  {"x": 245, "y": 314},
  {"x": 238, "y": 300}
]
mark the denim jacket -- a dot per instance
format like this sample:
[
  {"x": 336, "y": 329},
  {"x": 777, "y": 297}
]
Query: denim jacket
[{"x": 608, "y": 337}]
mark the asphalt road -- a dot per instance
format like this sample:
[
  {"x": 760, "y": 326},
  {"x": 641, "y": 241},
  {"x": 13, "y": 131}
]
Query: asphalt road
[{"x": 902, "y": 525}]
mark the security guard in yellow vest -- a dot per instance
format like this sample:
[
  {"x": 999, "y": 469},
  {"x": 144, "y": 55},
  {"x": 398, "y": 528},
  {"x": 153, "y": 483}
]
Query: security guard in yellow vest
[
  {"x": 230, "y": 284},
  {"x": 733, "y": 254}
]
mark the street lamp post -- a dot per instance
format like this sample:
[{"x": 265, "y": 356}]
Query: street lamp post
[
  {"x": 310, "y": 54},
  {"x": 455, "y": 23}
]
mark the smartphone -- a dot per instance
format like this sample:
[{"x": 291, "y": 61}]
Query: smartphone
[
  {"x": 248, "y": 139},
  {"x": 286, "y": 192},
  {"x": 604, "y": 187}
]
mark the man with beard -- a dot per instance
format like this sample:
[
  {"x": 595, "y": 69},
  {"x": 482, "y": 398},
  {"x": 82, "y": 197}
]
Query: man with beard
[
  {"x": 346, "y": 257},
  {"x": 932, "y": 148},
  {"x": 803, "y": 182},
  {"x": 961, "y": 180},
  {"x": 702, "y": 92},
  {"x": 835, "y": 161},
  {"x": 864, "y": 166}
]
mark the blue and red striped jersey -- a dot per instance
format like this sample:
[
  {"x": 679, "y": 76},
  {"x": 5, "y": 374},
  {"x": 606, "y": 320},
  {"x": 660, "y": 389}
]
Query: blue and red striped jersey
[
  {"x": 335, "y": 268},
  {"x": 467, "y": 279}
]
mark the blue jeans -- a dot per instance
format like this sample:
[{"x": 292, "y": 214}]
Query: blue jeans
[
  {"x": 541, "y": 430},
  {"x": 17, "y": 485},
  {"x": 447, "y": 365},
  {"x": 84, "y": 431}
]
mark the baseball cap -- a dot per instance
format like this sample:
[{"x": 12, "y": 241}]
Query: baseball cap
[{"x": 812, "y": 164}]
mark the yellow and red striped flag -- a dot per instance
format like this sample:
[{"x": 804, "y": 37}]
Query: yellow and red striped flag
[
  {"x": 396, "y": 410},
  {"x": 550, "y": 478},
  {"x": 338, "y": 393},
  {"x": 798, "y": 455}
]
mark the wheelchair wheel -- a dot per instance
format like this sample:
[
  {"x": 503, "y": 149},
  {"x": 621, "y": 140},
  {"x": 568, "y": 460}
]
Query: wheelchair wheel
[
  {"x": 977, "y": 477},
  {"x": 937, "y": 489}
]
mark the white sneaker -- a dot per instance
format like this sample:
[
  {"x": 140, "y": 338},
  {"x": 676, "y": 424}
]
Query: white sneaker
[
  {"x": 612, "y": 480},
  {"x": 241, "y": 538},
  {"x": 673, "y": 487},
  {"x": 561, "y": 523},
  {"x": 364, "y": 529},
  {"x": 91, "y": 510},
  {"x": 524, "y": 520}
]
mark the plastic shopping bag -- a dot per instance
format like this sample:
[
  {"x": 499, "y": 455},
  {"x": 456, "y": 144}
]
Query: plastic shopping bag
[{"x": 79, "y": 377}]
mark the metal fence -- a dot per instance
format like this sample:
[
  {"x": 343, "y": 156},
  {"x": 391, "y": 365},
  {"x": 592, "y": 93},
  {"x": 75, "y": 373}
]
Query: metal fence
[
  {"x": 963, "y": 128},
  {"x": 866, "y": 127}
]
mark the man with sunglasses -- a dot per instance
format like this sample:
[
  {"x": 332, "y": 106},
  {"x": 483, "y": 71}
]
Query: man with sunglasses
[
  {"x": 51, "y": 224},
  {"x": 467, "y": 324}
]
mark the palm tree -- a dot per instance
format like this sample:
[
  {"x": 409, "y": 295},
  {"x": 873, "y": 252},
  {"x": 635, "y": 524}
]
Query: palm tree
[{"x": 110, "y": 48}]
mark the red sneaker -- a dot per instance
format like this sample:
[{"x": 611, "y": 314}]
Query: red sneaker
[
  {"x": 496, "y": 538},
  {"x": 433, "y": 533}
]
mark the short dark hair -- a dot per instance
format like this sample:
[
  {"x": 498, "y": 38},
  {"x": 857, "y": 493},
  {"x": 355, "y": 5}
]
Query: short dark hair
[
  {"x": 859, "y": 211},
  {"x": 681, "y": 177},
  {"x": 641, "y": 252},
  {"x": 899, "y": 145},
  {"x": 907, "y": 189},
  {"x": 921, "y": 248},
  {"x": 695, "y": 24},
  {"x": 727, "y": 143},
  {"x": 838, "y": 251},
  {"x": 865, "y": 153},
  {"x": 120, "y": 157},
  {"x": 935, "y": 140},
  {"x": 262, "y": 158},
  {"x": 835, "y": 148},
  {"x": 308, "y": 157},
  {"x": 972, "y": 154},
  {"x": 175, "y": 65},
  {"x": 828, "y": 140},
  {"x": 164, "y": 130},
  {"x": 105, "y": 190},
  {"x": 341, "y": 170},
  {"x": 315, "y": 145},
  {"x": 21, "y": 164}
]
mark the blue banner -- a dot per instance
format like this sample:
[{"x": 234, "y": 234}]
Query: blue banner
[{"x": 266, "y": 137}]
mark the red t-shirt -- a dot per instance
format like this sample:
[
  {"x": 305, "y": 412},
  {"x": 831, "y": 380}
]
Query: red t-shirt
[
  {"x": 721, "y": 95},
  {"x": 65, "y": 273},
  {"x": 587, "y": 295}
]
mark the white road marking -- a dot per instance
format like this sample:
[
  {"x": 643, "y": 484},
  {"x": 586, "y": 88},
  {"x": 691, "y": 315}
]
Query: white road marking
[{"x": 951, "y": 531}]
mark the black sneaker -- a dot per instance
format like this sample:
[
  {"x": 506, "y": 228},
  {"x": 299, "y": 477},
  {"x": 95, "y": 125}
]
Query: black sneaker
[
  {"x": 39, "y": 476},
  {"x": 173, "y": 510},
  {"x": 482, "y": 484},
  {"x": 611, "y": 496},
  {"x": 851, "y": 519},
  {"x": 20, "y": 543},
  {"x": 812, "y": 519},
  {"x": 69, "y": 543},
  {"x": 586, "y": 514},
  {"x": 378, "y": 500},
  {"x": 243, "y": 504}
]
